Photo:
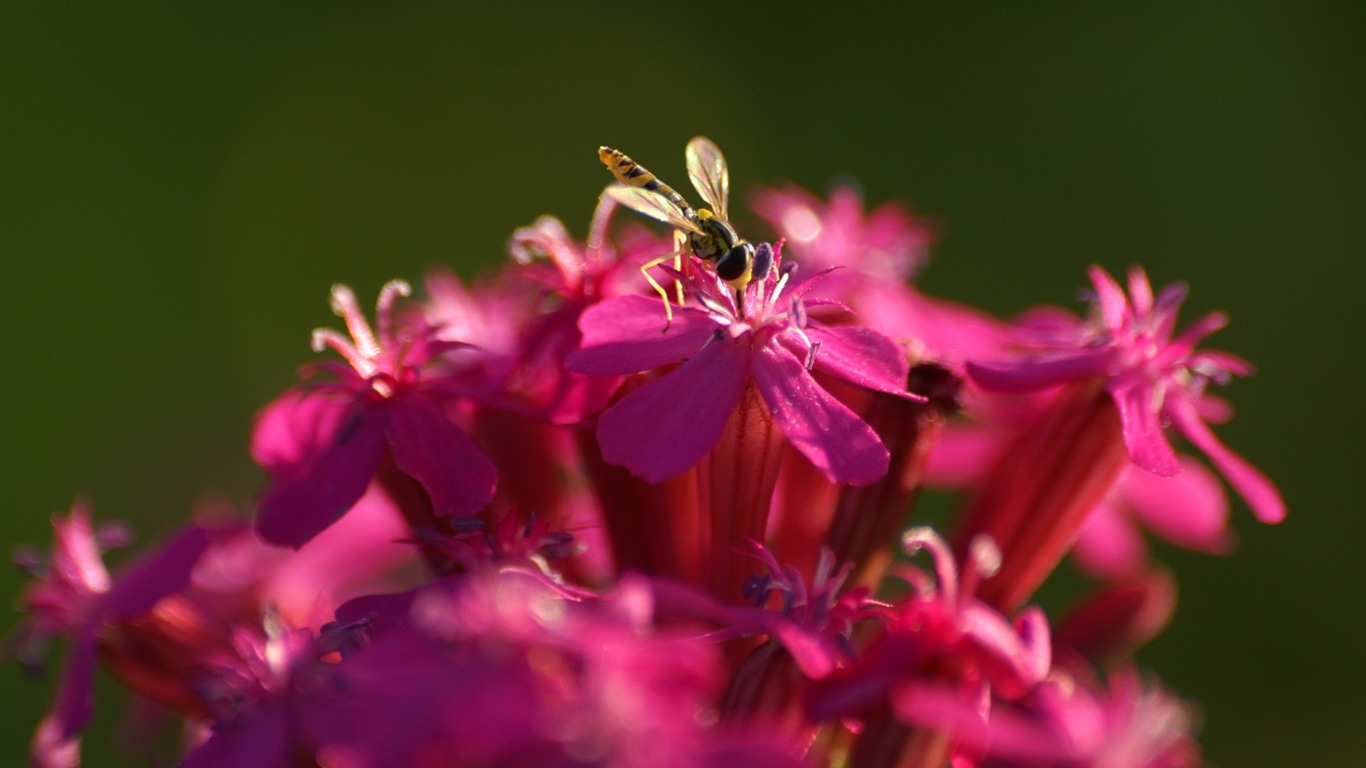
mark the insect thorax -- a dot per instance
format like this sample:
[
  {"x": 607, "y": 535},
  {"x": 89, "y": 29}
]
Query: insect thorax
[{"x": 716, "y": 238}]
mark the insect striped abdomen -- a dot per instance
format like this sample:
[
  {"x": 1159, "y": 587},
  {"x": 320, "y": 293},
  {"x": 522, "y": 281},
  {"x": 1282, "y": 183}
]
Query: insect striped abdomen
[{"x": 633, "y": 174}]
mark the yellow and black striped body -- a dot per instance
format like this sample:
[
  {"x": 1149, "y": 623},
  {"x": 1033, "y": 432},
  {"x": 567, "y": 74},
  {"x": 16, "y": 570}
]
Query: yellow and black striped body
[{"x": 633, "y": 174}]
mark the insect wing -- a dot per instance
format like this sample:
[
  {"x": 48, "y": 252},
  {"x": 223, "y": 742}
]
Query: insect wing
[
  {"x": 651, "y": 204},
  {"x": 709, "y": 174}
]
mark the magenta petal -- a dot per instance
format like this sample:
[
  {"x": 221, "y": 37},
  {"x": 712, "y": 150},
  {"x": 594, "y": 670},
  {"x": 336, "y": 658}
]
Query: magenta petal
[
  {"x": 1213, "y": 409},
  {"x": 862, "y": 356},
  {"x": 626, "y": 335},
  {"x": 668, "y": 425},
  {"x": 295, "y": 425},
  {"x": 942, "y": 708},
  {"x": 75, "y": 701},
  {"x": 1034, "y": 375},
  {"x": 337, "y": 458},
  {"x": 1259, "y": 492},
  {"x": 1114, "y": 308},
  {"x": 384, "y": 612},
  {"x": 836, "y": 441},
  {"x": 1189, "y": 510},
  {"x": 1140, "y": 292},
  {"x": 1023, "y": 740},
  {"x": 1013, "y": 660},
  {"x": 1143, "y": 437},
  {"x": 812, "y": 656},
  {"x": 141, "y": 585},
  {"x": 258, "y": 738},
  {"x": 457, "y": 476}
]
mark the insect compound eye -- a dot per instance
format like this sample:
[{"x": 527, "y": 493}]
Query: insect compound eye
[
  {"x": 763, "y": 262},
  {"x": 733, "y": 264}
]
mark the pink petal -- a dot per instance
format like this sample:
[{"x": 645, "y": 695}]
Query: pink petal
[
  {"x": 371, "y": 539},
  {"x": 1183, "y": 346},
  {"x": 829, "y": 310},
  {"x": 1114, "y": 307},
  {"x": 836, "y": 441},
  {"x": 50, "y": 749},
  {"x": 1189, "y": 510},
  {"x": 1168, "y": 303},
  {"x": 1034, "y": 375},
  {"x": 964, "y": 454},
  {"x": 804, "y": 285},
  {"x": 1014, "y": 661},
  {"x": 1140, "y": 292},
  {"x": 1213, "y": 409},
  {"x": 335, "y": 454},
  {"x": 1119, "y": 618},
  {"x": 140, "y": 586},
  {"x": 670, "y": 423},
  {"x": 1258, "y": 491},
  {"x": 627, "y": 335},
  {"x": 1143, "y": 437},
  {"x": 814, "y": 657},
  {"x": 951, "y": 332},
  {"x": 941, "y": 708},
  {"x": 1109, "y": 546},
  {"x": 457, "y": 476},
  {"x": 1008, "y": 734},
  {"x": 1224, "y": 360},
  {"x": 862, "y": 356},
  {"x": 296, "y": 425}
]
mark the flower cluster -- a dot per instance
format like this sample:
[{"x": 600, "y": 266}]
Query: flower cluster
[{"x": 557, "y": 519}]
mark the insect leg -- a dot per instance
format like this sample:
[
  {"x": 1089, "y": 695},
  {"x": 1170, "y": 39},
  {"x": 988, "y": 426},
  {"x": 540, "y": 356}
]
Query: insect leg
[
  {"x": 680, "y": 248},
  {"x": 659, "y": 289}
]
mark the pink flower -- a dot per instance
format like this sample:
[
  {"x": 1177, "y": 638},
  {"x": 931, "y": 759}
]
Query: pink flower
[
  {"x": 768, "y": 341},
  {"x": 878, "y": 253},
  {"x": 813, "y": 621},
  {"x": 526, "y": 321},
  {"x": 496, "y": 668},
  {"x": 1072, "y": 722},
  {"x": 888, "y": 242},
  {"x": 76, "y": 597},
  {"x": 1153, "y": 377},
  {"x": 324, "y": 442},
  {"x": 942, "y": 636}
]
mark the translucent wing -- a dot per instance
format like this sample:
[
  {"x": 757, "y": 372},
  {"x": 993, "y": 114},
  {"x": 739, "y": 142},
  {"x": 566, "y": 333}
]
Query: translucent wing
[
  {"x": 711, "y": 178},
  {"x": 651, "y": 204}
]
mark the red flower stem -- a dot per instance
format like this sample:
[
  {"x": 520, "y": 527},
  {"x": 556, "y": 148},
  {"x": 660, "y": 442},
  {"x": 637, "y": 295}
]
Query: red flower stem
[
  {"x": 1043, "y": 488},
  {"x": 767, "y": 685},
  {"x": 867, "y": 519},
  {"x": 736, "y": 482},
  {"x": 653, "y": 529},
  {"x": 800, "y": 522},
  {"x": 523, "y": 449}
]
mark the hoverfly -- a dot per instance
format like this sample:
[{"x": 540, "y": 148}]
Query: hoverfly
[{"x": 703, "y": 232}]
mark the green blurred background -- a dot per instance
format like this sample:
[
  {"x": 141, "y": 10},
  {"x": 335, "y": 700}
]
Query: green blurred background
[{"x": 180, "y": 187}]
